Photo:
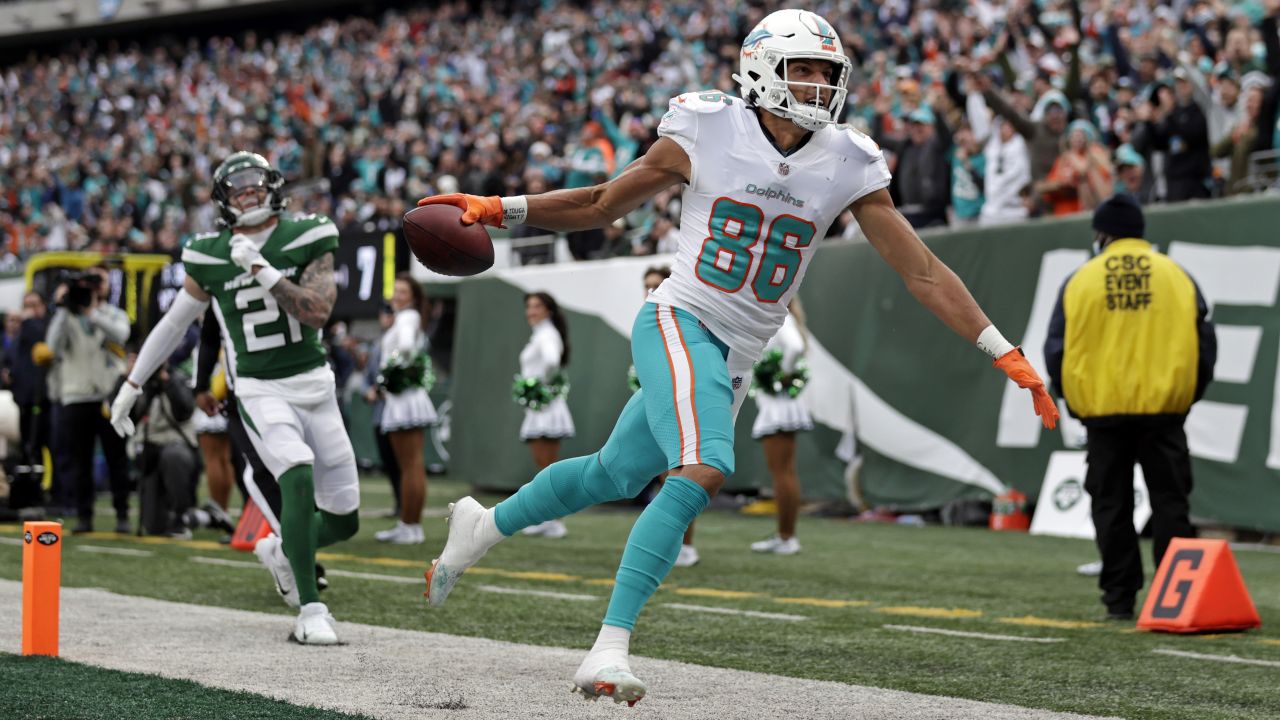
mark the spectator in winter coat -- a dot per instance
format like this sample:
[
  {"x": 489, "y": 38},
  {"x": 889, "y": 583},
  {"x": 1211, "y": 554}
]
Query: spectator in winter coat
[
  {"x": 1043, "y": 136},
  {"x": 1081, "y": 176},
  {"x": 921, "y": 185},
  {"x": 1130, "y": 173},
  {"x": 968, "y": 166},
  {"x": 1176, "y": 125}
]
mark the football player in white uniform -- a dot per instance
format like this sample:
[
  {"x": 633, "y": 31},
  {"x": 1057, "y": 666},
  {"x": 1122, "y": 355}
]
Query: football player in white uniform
[{"x": 765, "y": 175}]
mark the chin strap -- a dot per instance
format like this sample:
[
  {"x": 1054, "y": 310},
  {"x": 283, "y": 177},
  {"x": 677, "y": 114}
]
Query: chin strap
[{"x": 256, "y": 216}]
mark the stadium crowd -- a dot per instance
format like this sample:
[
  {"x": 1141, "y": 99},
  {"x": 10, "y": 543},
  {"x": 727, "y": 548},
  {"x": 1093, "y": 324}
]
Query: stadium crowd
[{"x": 991, "y": 111}]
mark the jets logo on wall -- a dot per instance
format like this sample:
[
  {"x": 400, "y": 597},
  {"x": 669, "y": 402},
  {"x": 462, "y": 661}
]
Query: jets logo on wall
[{"x": 1067, "y": 494}]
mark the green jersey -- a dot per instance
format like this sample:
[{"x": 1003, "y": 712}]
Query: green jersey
[{"x": 265, "y": 343}]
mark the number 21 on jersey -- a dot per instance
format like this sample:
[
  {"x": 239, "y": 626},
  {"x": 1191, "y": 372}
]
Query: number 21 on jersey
[
  {"x": 734, "y": 230},
  {"x": 256, "y": 337}
]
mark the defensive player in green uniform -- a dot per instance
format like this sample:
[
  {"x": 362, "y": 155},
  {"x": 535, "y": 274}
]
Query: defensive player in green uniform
[{"x": 271, "y": 282}]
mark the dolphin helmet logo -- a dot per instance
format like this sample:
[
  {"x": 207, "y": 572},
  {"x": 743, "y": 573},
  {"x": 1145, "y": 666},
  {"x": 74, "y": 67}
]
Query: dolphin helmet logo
[
  {"x": 753, "y": 41},
  {"x": 756, "y": 36}
]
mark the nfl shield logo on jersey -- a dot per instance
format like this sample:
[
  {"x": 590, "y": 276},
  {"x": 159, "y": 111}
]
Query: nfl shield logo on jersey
[
  {"x": 737, "y": 383},
  {"x": 784, "y": 169}
]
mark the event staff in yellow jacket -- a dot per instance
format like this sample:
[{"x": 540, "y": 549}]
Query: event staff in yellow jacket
[{"x": 1130, "y": 348}]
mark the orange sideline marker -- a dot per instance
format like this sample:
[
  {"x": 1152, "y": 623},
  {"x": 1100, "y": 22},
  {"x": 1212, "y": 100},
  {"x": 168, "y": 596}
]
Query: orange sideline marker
[
  {"x": 41, "y": 581},
  {"x": 253, "y": 526},
  {"x": 1197, "y": 589}
]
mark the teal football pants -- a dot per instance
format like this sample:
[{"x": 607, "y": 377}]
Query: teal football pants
[{"x": 682, "y": 415}]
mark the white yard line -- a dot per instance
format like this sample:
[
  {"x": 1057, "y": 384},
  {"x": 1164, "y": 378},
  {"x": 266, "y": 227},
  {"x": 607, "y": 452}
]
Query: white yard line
[
  {"x": 966, "y": 634},
  {"x": 403, "y": 579},
  {"x": 375, "y": 513},
  {"x": 104, "y": 550},
  {"x": 536, "y": 593},
  {"x": 1255, "y": 547},
  {"x": 224, "y": 562},
  {"x": 731, "y": 611},
  {"x": 1217, "y": 658},
  {"x": 10, "y": 541}
]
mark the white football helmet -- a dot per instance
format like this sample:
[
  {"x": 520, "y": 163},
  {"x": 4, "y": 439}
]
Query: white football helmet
[{"x": 784, "y": 36}]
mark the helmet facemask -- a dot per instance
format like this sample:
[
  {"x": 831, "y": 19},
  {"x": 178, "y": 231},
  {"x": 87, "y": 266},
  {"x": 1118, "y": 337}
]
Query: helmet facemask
[{"x": 828, "y": 99}]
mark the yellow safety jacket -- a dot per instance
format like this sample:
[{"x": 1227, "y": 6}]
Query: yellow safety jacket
[{"x": 1130, "y": 336}]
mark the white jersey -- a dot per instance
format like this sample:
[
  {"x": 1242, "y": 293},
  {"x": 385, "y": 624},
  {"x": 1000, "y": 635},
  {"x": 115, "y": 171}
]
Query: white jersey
[{"x": 751, "y": 218}]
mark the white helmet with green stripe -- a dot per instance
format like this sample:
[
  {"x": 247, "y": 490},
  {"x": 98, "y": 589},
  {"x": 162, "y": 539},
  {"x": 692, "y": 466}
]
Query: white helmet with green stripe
[{"x": 241, "y": 172}]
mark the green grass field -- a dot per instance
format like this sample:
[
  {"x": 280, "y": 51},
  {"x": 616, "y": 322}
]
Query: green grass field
[
  {"x": 41, "y": 688},
  {"x": 849, "y": 583}
]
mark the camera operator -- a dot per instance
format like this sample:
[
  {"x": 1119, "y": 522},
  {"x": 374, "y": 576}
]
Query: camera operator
[
  {"x": 86, "y": 336},
  {"x": 167, "y": 463}
]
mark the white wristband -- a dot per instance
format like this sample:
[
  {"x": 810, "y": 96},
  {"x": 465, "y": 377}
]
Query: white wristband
[
  {"x": 268, "y": 276},
  {"x": 991, "y": 342},
  {"x": 515, "y": 209}
]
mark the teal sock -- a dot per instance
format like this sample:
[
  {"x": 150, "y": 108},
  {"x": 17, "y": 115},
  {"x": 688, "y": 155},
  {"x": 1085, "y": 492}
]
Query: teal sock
[
  {"x": 558, "y": 490},
  {"x": 332, "y": 528},
  {"x": 298, "y": 529},
  {"x": 652, "y": 548}
]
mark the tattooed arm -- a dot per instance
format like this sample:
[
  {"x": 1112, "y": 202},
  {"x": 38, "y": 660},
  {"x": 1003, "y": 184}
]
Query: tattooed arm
[{"x": 311, "y": 299}]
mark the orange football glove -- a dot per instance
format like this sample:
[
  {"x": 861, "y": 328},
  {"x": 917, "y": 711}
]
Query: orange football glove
[
  {"x": 1015, "y": 365},
  {"x": 485, "y": 210}
]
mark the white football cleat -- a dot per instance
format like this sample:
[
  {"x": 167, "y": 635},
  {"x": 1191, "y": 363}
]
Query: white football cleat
[
  {"x": 472, "y": 531},
  {"x": 271, "y": 554},
  {"x": 606, "y": 674},
  {"x": 777, "y": 546},
  {"x": 688, "y": 556},
  {"x": 551, "y": 529},
  {"x": 315, "y": 626},
  {"x": 401, "y": 534}
]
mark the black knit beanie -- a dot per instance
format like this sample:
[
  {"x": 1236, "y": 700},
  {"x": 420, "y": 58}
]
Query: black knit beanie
[{"x": 1120, "y": 216}]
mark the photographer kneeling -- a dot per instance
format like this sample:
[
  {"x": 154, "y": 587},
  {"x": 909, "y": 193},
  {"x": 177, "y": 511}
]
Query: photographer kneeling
[{"x": 167, "y": 462}]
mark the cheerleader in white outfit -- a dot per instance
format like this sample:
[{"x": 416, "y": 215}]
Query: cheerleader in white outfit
[
  {"x": 407, "y": 410},
  {"x": 781, "y": 416},
  {"x": 541, "y": 384}
]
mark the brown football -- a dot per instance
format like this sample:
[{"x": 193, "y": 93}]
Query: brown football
[{"x": 440, "y": 241}]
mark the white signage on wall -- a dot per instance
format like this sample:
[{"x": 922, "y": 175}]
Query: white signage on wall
[{"x": 1064, "y": 508}]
